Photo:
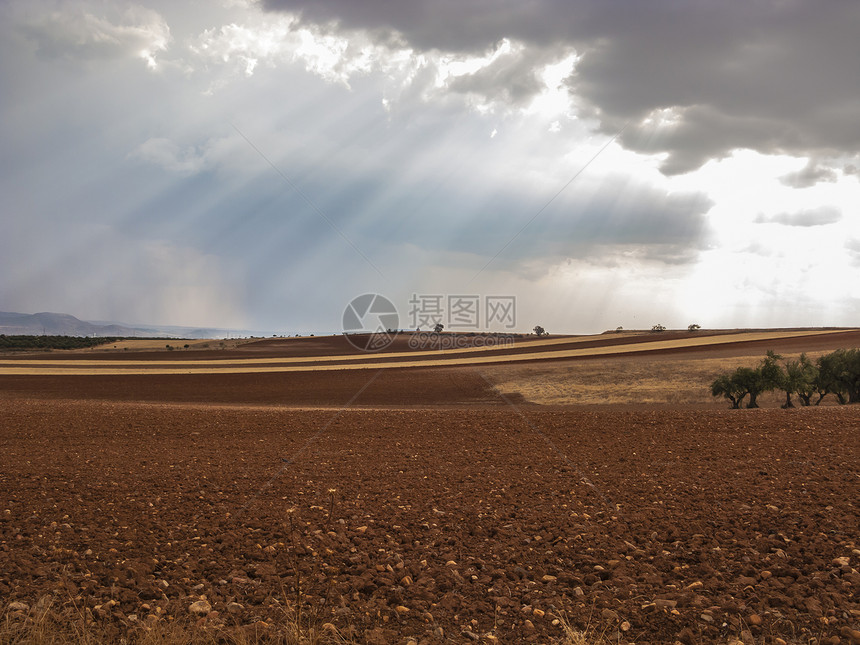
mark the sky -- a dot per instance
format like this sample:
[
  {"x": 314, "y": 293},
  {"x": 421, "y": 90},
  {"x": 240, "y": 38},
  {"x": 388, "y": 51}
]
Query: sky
[{"x": 258, "y": 164}]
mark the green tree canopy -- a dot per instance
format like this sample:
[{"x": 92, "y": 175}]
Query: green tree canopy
[
  {"x": 799, "y": 378},
  {"x": 839, "y": 374},
  {"x": 730, "y": 387}
]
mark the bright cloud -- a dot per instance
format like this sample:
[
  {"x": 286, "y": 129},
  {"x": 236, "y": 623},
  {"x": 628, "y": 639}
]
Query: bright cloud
[{"x": 79, "y": 31}]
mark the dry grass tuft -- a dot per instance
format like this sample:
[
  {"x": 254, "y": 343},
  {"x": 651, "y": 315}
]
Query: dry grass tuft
[
  {"x": 49, "y": 628},
  {"x": 588, "y": 636}
]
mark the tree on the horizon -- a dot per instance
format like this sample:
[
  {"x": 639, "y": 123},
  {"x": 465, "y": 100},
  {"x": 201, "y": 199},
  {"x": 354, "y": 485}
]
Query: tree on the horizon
[
  {"x": 694, "y": 327},
  {"x": 438, "y": 328},
  {"x": 540, "y": 331}
]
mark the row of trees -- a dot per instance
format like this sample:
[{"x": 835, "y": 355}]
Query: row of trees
[
  {"x": 23, "y": 342},
  {"x": 837, "y": 373},
  {"x": 659, "y": 327}
]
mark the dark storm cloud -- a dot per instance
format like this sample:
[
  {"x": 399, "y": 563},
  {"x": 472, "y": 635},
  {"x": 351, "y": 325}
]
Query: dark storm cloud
[
  {"x": 449, "y": 25},
  {"x": 776, "y": 76}
]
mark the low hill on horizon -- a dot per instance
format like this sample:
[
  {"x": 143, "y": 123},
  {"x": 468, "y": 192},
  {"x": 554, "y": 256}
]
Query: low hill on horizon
[
  {"x": 56, "y": 324},
  {"x": 60, "y": 324}
]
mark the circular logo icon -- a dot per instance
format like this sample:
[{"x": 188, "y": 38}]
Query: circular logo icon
[{"x": 370, "y": 322}]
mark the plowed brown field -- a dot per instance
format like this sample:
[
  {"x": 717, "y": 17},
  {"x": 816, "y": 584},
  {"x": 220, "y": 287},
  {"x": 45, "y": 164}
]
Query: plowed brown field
[{"x": 419, "y": 503}]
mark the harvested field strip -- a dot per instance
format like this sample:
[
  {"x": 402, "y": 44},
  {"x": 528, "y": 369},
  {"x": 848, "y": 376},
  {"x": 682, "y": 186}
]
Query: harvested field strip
[
  {"x": 364, "y": 356},
  {"x": 363, "y": 361}
]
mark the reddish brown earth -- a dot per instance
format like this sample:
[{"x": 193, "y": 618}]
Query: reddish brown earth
[
  {"x": 683, "y": 525},
  {"x": 398, "y": 387},
  {"x": 454, "y": 514}
]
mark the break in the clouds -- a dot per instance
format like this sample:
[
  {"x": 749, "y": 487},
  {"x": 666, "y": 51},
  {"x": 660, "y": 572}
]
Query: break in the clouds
[{"x": 260, "y": 163}]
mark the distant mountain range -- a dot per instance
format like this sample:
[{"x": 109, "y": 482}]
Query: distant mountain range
[{"x": 53, "y": 324}]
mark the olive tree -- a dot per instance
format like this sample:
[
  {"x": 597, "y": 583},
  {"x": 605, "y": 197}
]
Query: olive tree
[
  {"x": 799, "y": 378},
  {"x": 839, "y": 374},
  {"x": 752, "y": 381},
  {"x": 729, "y": 387},
  {"x": 766, "y": 377},
  {"x": 851, "y": 374}
]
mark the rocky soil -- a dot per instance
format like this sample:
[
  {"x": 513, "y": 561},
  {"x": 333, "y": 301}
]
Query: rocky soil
[{"x": 437, "y": 524}]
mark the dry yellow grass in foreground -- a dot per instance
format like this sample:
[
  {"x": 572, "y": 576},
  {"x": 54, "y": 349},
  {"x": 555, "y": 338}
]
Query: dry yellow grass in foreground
[
  {"x": 46, "y": 628},
  {"x": 49, "y": 628},
  {"x": 622, "y": 380}
]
